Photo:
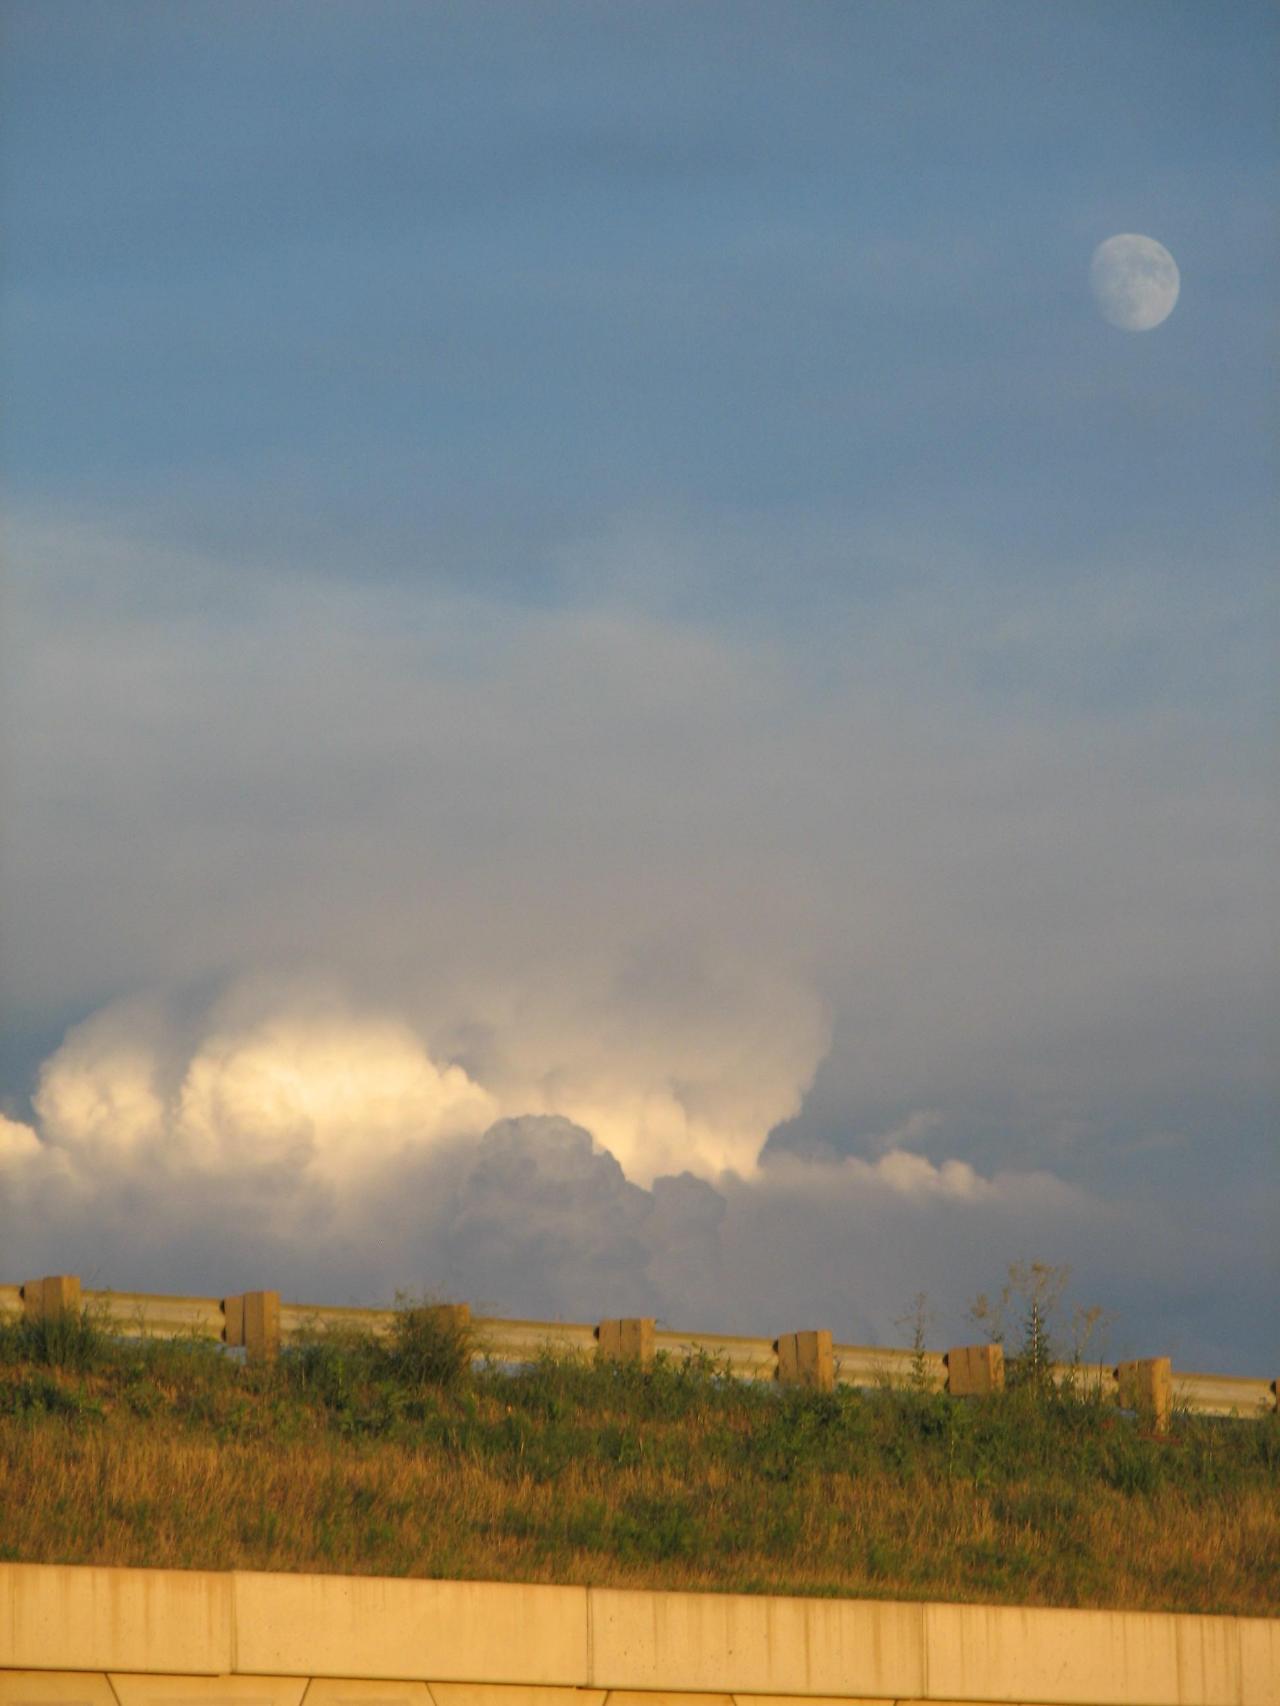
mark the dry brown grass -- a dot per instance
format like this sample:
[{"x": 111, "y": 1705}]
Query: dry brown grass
[
  {"x": 129, "y": 1491},
  {"x": 400, "y": 1459}
]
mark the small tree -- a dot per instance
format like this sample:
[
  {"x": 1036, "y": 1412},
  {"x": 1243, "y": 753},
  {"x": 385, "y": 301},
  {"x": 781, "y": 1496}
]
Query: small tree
[
  {"x": 1034, "y": 1291},
  {"x": 918, "y": 1317},
  {"x": 1033, "y": 1366}
]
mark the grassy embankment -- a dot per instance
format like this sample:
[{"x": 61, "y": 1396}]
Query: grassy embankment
[{"x": 398, "y": 1459}]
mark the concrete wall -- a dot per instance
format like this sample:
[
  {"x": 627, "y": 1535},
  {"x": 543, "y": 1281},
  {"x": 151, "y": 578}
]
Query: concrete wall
[{"x": 104, "y": 1637}]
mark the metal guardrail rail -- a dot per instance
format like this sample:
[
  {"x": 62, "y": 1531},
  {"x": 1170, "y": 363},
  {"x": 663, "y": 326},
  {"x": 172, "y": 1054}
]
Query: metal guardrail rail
[{"x": 515, "y": 1342}]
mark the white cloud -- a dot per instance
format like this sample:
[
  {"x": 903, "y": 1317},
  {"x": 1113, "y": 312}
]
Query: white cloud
[
  {"x": 97, "y": 1094},
  {"x": 326, "y": 1092},
  {"x": 910, "y": 1174},
  {"x": 298, "y": 1083},
  {"x": 19, "y": 1145},
  {"x": 277, "y": 1076},
  {"x": 907, "y": 1176},
  {"x": 674, "y": 1060}
]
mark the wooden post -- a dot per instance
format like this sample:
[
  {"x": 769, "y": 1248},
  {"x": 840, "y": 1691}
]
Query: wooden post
[
  {"x": 627, "y": 1340},
  {"x": 975, "y": 1370},
  {"x": 1147, "y": 1387},
  {"x": 54, "y": 1295},
  {"x": 806, "y": 1359}
]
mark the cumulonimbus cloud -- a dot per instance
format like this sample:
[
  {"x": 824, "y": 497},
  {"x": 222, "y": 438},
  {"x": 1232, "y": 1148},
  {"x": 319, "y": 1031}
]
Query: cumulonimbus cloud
[
  {"x": 626, "y": 878},
  {"x": 275, "y": 1077},
  {"x": 320, "y": 1146}
]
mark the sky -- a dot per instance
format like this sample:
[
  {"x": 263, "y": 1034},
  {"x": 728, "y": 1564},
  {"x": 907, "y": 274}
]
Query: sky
[{"x": 618, "y": 696}]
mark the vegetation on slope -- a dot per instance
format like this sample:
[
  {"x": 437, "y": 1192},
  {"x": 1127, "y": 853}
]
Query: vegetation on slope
[{"x": 402, "y": 1459}]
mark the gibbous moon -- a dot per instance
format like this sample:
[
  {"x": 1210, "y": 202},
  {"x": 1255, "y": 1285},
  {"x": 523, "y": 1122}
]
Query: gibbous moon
[{"x": 1135, "y": 281}]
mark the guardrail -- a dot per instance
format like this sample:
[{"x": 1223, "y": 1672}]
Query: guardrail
[{"x": 260, "y": 1323}]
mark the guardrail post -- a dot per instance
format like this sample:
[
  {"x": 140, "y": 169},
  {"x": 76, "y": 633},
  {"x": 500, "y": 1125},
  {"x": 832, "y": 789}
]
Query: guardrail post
[
  {"x": 54, "y": 1295},
  {"x": 975, "y": 1370},
  {"x": 1147, "y": 1387},
  {"x": 627, "y": 1340},
  {"x": 806, "y": 1359},
  {"x": 253, "y": 1320}
]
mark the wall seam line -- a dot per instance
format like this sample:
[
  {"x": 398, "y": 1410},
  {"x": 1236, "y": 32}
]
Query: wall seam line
[
  {"x": 924, "y": 1651},
  {"x": 591, "y": 1643},
  {"x": 235, "y": 1625}
]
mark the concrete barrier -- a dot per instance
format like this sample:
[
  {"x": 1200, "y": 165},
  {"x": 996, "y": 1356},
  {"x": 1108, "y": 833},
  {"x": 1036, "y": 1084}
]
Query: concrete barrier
[{"x": 76, "y": 1636}]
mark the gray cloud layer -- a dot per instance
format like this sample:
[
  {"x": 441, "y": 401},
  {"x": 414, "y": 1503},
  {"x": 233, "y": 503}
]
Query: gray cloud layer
[{"x": 975, "y": 869}]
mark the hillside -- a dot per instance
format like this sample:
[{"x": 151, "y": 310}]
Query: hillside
[{"x": 399, "y": 1458}]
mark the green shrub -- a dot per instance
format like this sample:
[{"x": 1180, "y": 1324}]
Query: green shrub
[
  {"x": 331, "y": 1366},
  {"x": 431, "y": 1344},
  {"x": 72, "y": 1339},
  {"x": 41, "y": 1395}
]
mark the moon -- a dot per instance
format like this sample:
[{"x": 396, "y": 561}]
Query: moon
[{"x": 1135, "y": 281}]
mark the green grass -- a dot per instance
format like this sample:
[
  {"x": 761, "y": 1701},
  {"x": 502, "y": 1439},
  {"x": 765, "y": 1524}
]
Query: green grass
[{"x": 400, "y": 1458}]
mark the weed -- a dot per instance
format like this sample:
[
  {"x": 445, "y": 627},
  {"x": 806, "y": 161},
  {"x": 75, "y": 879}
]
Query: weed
[
  {"x": 1034, "y": 1292},
  {"x": 918, "y": 1318},
  {"x": 40, "y": 1395},
  {"x": 655, "y": 1528},
  {"x": 69, "y": 1338}
]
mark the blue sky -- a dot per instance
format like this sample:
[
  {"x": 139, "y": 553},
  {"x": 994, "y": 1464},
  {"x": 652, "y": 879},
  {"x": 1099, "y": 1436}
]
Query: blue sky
[
  {"x": 618, "y": 535},
  {"x": 409, "y": 262}
]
